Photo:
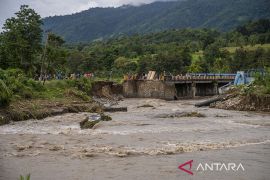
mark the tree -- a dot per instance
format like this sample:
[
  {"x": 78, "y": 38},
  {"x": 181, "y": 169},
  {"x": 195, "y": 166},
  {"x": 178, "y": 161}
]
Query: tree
[
  {"x": 239, "y": 61},
  {"x": 4, "y": 64},
  {"x": 199, "y": 66},
  {"x": 55, "y": 55},
  {"x": 172, "y": 62},
  {"x": 21, "y": 40},
  {"x": 75, "y": 59},
  {"x": 125, "y": 65},
  {"x": 143, "y": 64},
  {"x": 221, "y": 62},
  {"x": 211, "y": 53},
  {"x": 186, "y": 55},
  {"x": 253, "y": 40}
]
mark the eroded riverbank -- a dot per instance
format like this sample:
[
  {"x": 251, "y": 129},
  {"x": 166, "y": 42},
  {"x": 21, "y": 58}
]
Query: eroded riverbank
[{"x": 152, "y": 135}]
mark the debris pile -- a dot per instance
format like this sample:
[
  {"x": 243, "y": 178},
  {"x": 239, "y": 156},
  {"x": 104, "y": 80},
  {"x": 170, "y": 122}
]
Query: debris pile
[
  {"x": 90, "y": 121},
  {"x": 181, "y": 114},
  {"x": 145, "y": 106},
  {"x": 244, "y": 103}
]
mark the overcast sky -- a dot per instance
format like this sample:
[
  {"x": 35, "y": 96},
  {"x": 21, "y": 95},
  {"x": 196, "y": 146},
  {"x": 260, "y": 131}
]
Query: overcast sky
[{"x": 59, "y": 7}]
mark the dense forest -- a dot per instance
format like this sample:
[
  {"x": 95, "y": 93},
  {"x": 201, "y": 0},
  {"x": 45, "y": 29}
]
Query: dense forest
[
  {"x": 100, "y": 23},
  {"x": 177, "y": 51},
  {"x": 28, "y": 54}
]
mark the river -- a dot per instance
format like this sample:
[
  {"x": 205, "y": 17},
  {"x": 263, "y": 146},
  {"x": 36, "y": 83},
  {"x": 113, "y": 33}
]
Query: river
[{"x": 149, "y": 141}]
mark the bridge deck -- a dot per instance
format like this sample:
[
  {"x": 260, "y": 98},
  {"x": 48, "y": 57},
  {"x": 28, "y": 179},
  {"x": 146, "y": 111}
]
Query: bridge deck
[{"x": 188, "y": 78}]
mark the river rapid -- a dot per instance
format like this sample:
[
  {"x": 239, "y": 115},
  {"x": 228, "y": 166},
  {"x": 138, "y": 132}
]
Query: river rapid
[{"x": 149, "y": 141}]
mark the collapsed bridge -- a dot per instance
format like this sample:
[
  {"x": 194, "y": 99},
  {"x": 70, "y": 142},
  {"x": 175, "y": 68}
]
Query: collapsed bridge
[{"x": 176, "y": 87}]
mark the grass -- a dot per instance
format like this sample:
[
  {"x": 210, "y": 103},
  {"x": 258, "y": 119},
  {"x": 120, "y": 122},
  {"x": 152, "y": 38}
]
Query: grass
[
  {"x": 27, "y": 177},
  {"x": 196, "y": 56},
  {"x": 56, "y": 89},
  {"x": 118, "y": 79},
  {"x": 22, "y": 98},
  {"x": 249, "y": 47}
]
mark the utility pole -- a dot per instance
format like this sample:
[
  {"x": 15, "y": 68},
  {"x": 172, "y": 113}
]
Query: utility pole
[
  {"x": 110, "y": 75},
  {"x": 42, "y": 69}
]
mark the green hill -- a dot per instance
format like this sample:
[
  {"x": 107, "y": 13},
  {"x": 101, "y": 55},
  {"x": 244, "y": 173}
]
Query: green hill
[{"x": 100, "y": 23}]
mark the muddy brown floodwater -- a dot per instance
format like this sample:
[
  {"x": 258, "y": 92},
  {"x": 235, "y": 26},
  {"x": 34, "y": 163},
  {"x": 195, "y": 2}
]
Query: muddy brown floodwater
[{"x": 149, "y": 141}]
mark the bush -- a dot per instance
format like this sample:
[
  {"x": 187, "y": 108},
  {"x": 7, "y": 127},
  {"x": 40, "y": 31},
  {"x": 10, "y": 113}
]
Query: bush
[
  {"x": 79, "y": 88},
  {"x": 5, "y": 94},
  {"x": 16, "y": 85},
  {"x": 19, "y": 84},
  {"x": 26, "y": 92},
  {"x": 261, "y": 85},
  {"x": 84, "y": 84},
  {"x": 11, "y": 73},
  {"x": 263, "y": 81},
  {"x": 35, "y": 85},
  {"x": 61, "y": 84}
]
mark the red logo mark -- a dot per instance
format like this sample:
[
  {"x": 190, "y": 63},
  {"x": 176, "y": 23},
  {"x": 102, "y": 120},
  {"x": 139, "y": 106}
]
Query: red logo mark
[{"x": 181, "y": 167}]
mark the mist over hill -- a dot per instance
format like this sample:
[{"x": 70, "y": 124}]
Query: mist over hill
[{"x": 100, "y": 23}]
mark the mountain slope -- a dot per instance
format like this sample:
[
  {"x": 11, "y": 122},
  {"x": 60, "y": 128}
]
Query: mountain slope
[{"x": 98, "y": 23}]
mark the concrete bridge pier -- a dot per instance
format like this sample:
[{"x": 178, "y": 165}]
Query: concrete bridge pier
[
  {"x": 171, "y": 90},
  {"x": 215, "y": 88},
  {"x": 193, "y": 90}
]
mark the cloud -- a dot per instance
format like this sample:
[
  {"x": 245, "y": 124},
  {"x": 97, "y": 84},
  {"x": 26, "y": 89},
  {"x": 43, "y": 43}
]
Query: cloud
[{"x": 115, "y": 3}]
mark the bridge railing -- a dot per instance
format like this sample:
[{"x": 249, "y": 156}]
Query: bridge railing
[
  {"x": 201, "y": 76},
  {"x": 186, "y": 77}
]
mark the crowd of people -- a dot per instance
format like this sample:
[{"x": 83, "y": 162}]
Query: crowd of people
[{"x": 61, "y": 76}]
